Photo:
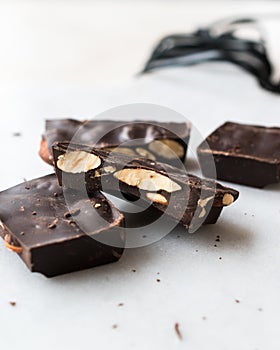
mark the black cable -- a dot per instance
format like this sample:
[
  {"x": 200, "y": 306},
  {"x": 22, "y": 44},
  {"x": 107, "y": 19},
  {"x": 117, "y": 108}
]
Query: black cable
[{"x": 203, "y": 46}]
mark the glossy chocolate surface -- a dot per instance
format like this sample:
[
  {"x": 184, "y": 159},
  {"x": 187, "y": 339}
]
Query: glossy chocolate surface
[
  {"x": 181, "y": 205},
  {"x": 110, "y": 134},
  {"x": 35, "y": 217},
  {"x": 245, "y": 154}
]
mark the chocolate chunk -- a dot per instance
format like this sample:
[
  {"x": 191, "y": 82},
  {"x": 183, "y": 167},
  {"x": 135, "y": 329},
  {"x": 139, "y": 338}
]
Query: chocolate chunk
[
  {"x": 164, "y": 142},
  {"x": 50, "y": 244},
  {"x": 186, "y": 198},
  {"x": 244, "y": 154}
]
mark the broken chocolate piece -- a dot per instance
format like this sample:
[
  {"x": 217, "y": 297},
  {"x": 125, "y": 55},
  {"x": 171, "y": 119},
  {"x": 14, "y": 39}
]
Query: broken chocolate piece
[
  {"x": 186, "y": 198},
  {"x": 51, "y": 244},
  {"x": 244, "y": 154},
  {"x": 164, "y": 142}
]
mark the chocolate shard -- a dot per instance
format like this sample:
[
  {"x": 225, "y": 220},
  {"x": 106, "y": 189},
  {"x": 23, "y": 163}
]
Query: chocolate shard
[
  {"x": 244, "y": 154},
  {"x": 166, "y": 142},
  {"x": 51, "y": 244},
  {"x": 185, "y": 198}
]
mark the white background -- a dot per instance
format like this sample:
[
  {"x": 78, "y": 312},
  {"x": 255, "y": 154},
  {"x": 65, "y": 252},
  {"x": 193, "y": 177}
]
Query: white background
[
  {"x": 52, "y": 56},
  {"x": 87, "y": 41}
]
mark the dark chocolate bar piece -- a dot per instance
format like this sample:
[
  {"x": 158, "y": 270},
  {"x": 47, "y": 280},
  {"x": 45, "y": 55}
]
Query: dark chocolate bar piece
[
  {"x": 164, "y": 142},
  {"x": 37, "y": 224},
  {"x": 244, "y": 154},
  {"x": 186, "y": 198}
]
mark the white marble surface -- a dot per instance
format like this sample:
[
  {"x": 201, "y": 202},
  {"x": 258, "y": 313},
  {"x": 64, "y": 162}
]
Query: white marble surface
[
  {"x": 79, "y": 309},
  {"x": 197, "y": 289}
]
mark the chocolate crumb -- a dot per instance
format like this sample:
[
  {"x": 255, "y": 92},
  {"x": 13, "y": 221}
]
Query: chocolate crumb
[
  {"x": 220, "y": 258},
  {"x": 178, "y": 332},
  {"x": 158, "y": 273},
  {"x": 22, "y": 233},
  {"x": 34, "y": 213},
  {"x": 237, "y": 301},
  {"x": 27, "y": 187},
  {"x": 218, "y": 240},
  {"x": 158, "y": 280},
  {"x": 55, "y": 194},
  {"x": 115, "y": 326},
  {"x": 215, "y": 245},
  {"x": 13, "y": 303},
  {"x": 133, "y": 270},
  {"x": 120, "y": 304}
]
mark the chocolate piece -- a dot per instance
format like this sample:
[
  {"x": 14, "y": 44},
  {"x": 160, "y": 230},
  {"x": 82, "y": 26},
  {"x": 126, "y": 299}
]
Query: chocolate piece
[
  {"x": 48, "y": 242},
  {"x": 185, "y": 198},
  {"x": 133, "y": 138},
  {"x": 245, "y": 154}
]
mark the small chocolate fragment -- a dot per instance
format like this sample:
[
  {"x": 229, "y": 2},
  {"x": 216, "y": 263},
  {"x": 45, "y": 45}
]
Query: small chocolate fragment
[
  {"x": 164, "y": 142},
  {"x": 244, "y": 154},
  {"x": 50, "y": 244},
  {"x": 184, "y": 197},
  {"x": 177, "y": 330}
]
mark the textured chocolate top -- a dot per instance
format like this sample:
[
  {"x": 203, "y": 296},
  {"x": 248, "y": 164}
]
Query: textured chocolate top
[
  {"x": 35, "y": 213},
  {"x": 249, "y": 141}
]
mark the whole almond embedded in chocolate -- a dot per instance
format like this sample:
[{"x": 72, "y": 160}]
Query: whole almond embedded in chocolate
[
  {"x": 148, "y": 180},
  {"x": 153, "y": 183},
  {"x": 122, "y": 150},
  {"x": 228, "y": 199},
  {"x": 157, "y": 198},
  {"x": 202, "y": 202},
  {"x": 78, "y": 162},
  {"x": 108, "y": 169},
  {"x": 145, "y": 153},
  {"x": 168, "y": 149},
  {"x": 114, "y": 134}
]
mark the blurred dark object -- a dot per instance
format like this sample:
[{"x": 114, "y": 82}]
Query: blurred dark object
[{"x": 238, "y": 41}]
